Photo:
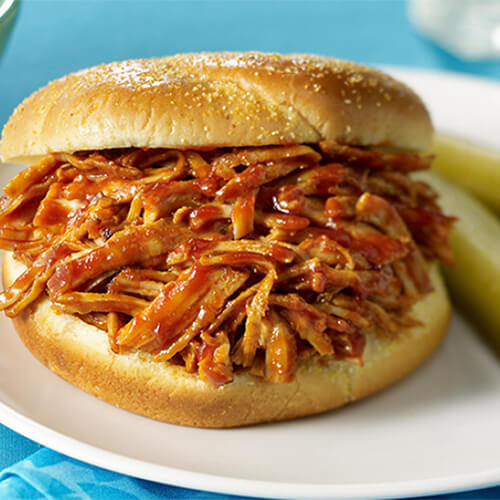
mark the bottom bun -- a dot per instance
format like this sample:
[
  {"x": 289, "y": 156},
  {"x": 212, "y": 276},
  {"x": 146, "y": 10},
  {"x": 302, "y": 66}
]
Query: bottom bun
[{"x": 80, "y": 354}]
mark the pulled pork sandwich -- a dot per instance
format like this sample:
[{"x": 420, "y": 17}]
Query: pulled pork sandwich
[{"x": 224, "y": 239}]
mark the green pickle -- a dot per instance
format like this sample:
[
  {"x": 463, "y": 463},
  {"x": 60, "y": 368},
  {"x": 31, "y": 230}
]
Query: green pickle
[
  {"x": 474, "y": 282},
  {"x": 469, "y": 165}
]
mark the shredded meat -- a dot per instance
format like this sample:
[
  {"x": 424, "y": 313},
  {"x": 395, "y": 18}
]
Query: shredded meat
[{"x": 227, "y": 260}]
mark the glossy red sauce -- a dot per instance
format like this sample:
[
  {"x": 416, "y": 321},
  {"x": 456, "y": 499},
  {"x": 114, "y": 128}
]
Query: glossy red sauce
[
  {"x": 320, "y": 225},
  {"x": 163, "y": 316}
]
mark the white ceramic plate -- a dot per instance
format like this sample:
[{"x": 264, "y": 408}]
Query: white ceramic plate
[{"x": 436, "y": 431}]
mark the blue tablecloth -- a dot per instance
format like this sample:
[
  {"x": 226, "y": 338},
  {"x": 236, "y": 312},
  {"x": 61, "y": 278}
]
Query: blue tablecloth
[{"x": 54, "y": 37}]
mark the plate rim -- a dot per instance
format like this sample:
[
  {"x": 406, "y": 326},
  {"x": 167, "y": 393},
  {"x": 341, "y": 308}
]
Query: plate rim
[
  {"x": 93, "y": 455},
  {"x": 181, "y": 477}
]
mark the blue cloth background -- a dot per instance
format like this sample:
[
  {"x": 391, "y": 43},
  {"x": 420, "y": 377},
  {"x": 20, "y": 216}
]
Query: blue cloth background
[{"x": 54, "y": 37}]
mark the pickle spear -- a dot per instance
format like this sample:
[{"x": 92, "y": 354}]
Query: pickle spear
[
  {"x": 469, "y": 165},
  {"x": 474, "y": 282}
]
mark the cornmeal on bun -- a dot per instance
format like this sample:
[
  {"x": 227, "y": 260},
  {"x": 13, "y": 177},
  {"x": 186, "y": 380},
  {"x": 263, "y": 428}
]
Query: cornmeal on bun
[{"x": 223, "y": 239}]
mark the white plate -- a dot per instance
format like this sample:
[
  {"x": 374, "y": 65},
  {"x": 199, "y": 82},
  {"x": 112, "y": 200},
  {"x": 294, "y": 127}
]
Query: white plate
[{"x": 436, "y": 431}]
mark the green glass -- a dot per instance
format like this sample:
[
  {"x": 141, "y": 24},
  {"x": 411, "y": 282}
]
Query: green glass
[{"x": 8, "y": 10}]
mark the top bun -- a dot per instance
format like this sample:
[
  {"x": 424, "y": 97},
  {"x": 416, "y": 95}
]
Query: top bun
[{"x": 218, "y": 99}]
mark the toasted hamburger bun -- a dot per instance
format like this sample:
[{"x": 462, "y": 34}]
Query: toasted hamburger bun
[
  {"x": 207, "y": 100},
  {"x": 80, "y": 354},
  {"x": 222, "y": 99}
]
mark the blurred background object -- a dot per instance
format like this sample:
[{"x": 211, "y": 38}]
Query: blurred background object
[
  {"x": 469, "y": 29},
  {"x": 8, "y": 11}
]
